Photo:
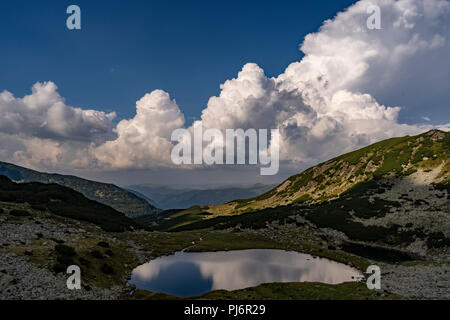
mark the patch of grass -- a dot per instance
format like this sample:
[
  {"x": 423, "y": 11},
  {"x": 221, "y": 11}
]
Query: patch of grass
[
  {"x": 161, "y": 243},
  {"x": 252, "y": 220},
  {"x": 410, "y": 171},
  {"x": 283, "y": 291},
  {"x": 147, "y": 295},
  {"x": 393, "y": 160},
  {"x": 301, "y": 180},
  {"x": 40, "y": 255},
  {"x": 222, "y": 241},
  {"x": 302, "y": 199},
  {"x": 421, "y": 153},
  {"x": 424, "y": 263},
  {"x": 93, "y": 270},
  {"x": 302, "y": 291},
  {"x": 194, "y": 210}
]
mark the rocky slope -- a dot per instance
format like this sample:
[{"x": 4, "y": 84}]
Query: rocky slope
[{"x": 32, "y": 268}]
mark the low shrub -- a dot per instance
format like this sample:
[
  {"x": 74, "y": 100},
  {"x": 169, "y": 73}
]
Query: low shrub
[
  {"x": 84, "y": 262},
  {"x": 19, "y": 213},
  {"x": 97, "y": 254},
  {"x": 65, "y": 250},
  {"x": 65, "y": 255},
  {"x": 103, "y": 244},
  {"x": 58, "y": 268},
  {"x": 107, "y": 269}
]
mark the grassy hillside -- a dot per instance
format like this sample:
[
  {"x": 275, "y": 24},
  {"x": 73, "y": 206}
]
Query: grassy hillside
[
  {"x": 326, "y": 181},
  {"x": 62, "y": 201},
  {"x": 108, "y": 194},
  {"x": 394, "y": 193}
]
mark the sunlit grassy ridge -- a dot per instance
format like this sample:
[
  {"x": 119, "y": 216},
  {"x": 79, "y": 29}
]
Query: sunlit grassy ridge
[
  {"x": 397, "y": 156},
  {"x": 352, "y": 187}
]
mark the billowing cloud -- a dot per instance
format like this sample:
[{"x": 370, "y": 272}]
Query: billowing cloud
[
  {"x": 404, "y": 63},
  {"x": 347, "y": 91},
  {"x": 327, "y": 103},
  {"x": 44, "y": 114},
  {"x": 252, "y": 101},
  {"x": 41, "y": 131},
  {"x": 143, "y": 141}
]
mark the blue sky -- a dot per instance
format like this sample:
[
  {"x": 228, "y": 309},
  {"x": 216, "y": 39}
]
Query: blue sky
[
  {"x": 348, "y": 87},
  {"x": 128, "y": 48}
]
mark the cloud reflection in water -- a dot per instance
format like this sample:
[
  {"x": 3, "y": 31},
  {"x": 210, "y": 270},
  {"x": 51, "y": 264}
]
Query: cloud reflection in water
[{"x": 190, "y": 274}]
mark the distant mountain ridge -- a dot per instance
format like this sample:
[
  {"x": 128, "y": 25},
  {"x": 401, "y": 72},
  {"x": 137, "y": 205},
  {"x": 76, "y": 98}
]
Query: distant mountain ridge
[
  {"x": 176, "y": 197},
  {"x": 121, "y": 200}
]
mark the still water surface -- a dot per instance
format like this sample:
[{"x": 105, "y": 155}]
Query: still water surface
[{"x": 187, "y": 274}]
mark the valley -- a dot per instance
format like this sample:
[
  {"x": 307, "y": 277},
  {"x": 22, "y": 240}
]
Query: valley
[
  {"x": 30, "y": 261},
  {"x": 386, "y": 204},
  {"x": 182, "y": 197}
]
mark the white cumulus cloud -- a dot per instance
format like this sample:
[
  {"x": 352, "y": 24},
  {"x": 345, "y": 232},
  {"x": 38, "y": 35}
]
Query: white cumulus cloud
[
  {"x": 349, "y": 90},
  {"x": 143, "y": 141},
  {"x": 44, "y": 114}
]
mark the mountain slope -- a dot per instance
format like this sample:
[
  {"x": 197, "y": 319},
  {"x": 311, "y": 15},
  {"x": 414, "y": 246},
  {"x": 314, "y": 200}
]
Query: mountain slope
[
  {"x": 397, "y": 157},
  {"x": 108, "y": 194},
  {"x": 395, "y": 193},
  {"x": 62, "y": 201},
  {"x": 142, "y": 196}
]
